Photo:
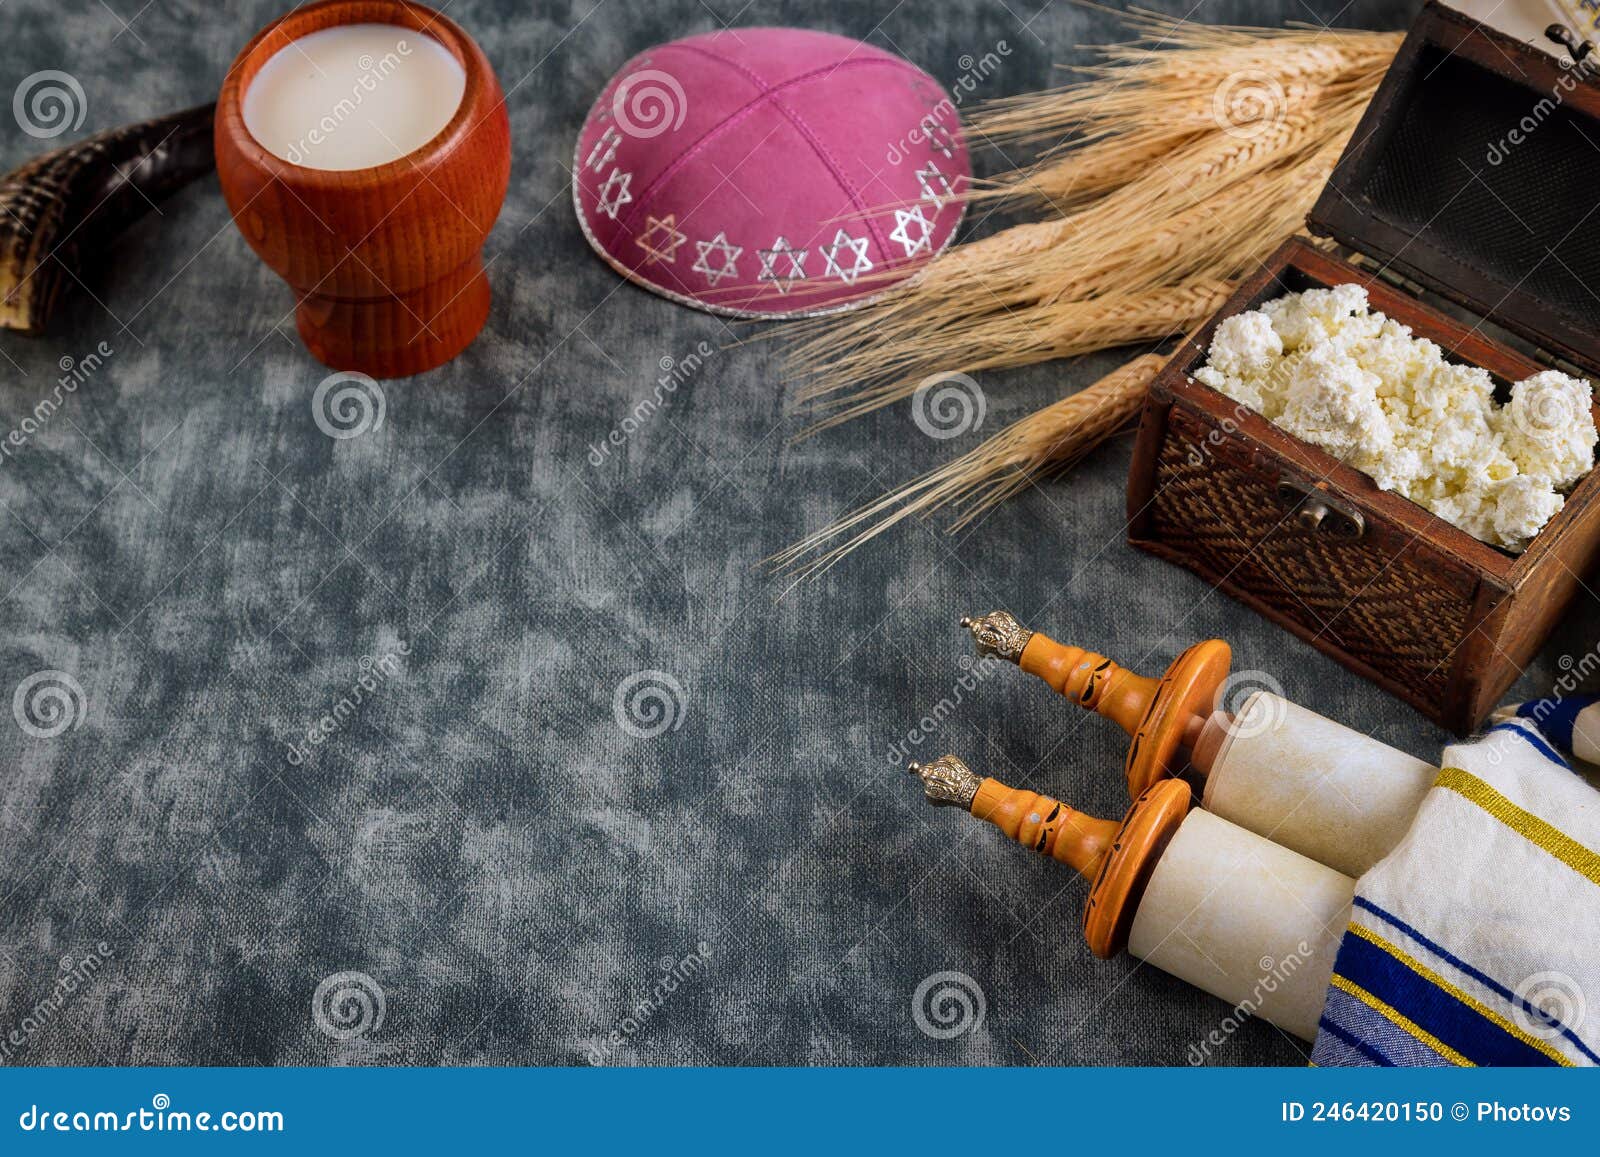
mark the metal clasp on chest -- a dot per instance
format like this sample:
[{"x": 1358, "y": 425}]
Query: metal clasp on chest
[{"x": 1316, "y": 510}]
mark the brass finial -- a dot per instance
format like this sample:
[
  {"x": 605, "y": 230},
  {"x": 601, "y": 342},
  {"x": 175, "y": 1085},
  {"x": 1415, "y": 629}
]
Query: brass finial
[
  {"x": 947, "y": 782},
  {"x": 998, "y": 634}
]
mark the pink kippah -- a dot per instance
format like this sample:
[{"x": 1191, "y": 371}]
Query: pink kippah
[{"x": 769, "y": 172}]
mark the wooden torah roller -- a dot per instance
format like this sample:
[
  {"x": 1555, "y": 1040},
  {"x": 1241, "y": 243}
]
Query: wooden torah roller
[
  {"x": 1247, "y": 920},
  {"x": 1273, "y": 767},
  {"x": 385, "y": 262}
]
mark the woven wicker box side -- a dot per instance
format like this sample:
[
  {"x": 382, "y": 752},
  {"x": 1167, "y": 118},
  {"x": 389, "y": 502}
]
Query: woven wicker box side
[{"x": 1388, "y": 605}]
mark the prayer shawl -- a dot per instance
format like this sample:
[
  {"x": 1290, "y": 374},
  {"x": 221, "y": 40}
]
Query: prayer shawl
[{"x": 1477, "y": 940}]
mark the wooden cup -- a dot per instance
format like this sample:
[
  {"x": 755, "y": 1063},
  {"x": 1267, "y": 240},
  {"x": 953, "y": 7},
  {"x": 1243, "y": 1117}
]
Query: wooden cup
[{"x": 386, "y": 262}]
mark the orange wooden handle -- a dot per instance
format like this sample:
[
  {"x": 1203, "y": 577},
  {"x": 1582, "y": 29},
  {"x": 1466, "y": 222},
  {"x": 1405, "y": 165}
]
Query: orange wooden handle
[
  {"x": 1115, "y": 857},
  {"x": 1091, "y": 680},
  {"x": 1046, "y": 825},
  {"x": 1163, "y": 716}
]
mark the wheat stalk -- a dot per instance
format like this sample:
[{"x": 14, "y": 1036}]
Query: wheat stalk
[
  {"x": 970, "y": 299},
  {"x": 1189, "y": 155},
  {"x": 1137, "y": 86},
  {"x": 1045, "y": 332},
  {"x": 1136, "y": 171},
  {"x": 1043, "y": 443},
  {"x": 1075, "y": 299}
]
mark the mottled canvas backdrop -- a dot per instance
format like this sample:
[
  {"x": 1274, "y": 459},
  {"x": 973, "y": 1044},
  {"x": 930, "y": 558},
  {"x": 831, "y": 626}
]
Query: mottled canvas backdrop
[{"x": 459, "y": 723}]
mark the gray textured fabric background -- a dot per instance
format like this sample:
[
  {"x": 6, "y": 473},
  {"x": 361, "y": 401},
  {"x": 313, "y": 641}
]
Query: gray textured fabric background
[{"x": 481, "y": 839}]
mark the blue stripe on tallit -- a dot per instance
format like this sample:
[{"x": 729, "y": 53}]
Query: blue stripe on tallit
[
  {"x": 1530, "y": 732},
  {"x": 1337, "y": 1047},
  {"x": 1557, "y": 717},
  {"x": 1455, "y": 1024},
  {"x": 1362, "y": 1022},
  {"x": 1482, "y": 978}
]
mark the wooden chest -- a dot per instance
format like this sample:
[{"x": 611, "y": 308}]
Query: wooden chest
[{"x": 1496, "y": 260}]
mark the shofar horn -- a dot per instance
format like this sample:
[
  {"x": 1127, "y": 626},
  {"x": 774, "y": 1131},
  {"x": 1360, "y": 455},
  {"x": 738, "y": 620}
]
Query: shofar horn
[{"x": 60, "y": 209}]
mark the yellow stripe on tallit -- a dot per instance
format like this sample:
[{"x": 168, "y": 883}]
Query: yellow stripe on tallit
[
  {"x": 1396, "y": 1017},
  {"x": 1530, "y": 827},
  {"x": 1471, "y": 1002}
]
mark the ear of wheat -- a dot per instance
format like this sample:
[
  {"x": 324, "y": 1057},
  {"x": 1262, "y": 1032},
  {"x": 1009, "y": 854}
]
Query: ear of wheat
[
  {"x": 1185, "y": 158},
  {"x": 1041, "y": 444}
]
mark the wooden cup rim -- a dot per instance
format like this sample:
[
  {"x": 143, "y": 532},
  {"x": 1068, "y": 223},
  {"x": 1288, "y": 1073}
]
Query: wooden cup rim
[{"x": 330, "y": 14}]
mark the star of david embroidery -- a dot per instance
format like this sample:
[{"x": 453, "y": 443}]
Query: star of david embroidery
[
  {"x": 729, "y": 255},
  {"x": 939, "y": 137},
  {"x": 660, "y": 239},
  {"x": 904, "y": 221},
  {"x": 859, "y": 261},
  {"x": 935, "y": 186},
  {"x": 605, "y": 149},
  {"x": 769, "y": 260},
  {"x": 614, "y": 193}
]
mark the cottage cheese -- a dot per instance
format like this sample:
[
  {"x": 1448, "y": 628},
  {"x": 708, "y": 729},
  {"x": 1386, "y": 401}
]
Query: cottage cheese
[{"x": 1333, "y": 372}]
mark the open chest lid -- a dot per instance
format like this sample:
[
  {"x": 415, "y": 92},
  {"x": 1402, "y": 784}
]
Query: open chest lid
[{"x": 1475, "y": 173}]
